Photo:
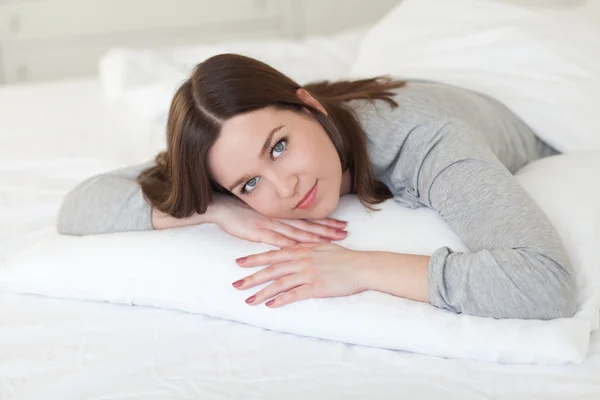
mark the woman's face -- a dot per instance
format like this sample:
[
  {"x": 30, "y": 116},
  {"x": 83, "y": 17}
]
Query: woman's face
[{"x": 280, "y": 162}]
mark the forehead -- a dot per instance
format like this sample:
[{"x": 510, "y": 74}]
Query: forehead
[
  {"x": 240, "y": 142},
  {"x": 257, "y": 123}
]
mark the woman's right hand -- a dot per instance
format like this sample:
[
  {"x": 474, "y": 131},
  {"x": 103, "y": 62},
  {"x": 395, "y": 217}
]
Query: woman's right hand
[{"x": 238, "y": 219}]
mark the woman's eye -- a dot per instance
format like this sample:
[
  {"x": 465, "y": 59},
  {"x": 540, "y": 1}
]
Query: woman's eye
[
  {"x": 278, "y": 148},
  {"x": 251, "y": 184}
]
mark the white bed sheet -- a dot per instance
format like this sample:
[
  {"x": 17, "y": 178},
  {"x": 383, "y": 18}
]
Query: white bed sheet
[
  {"x": 54, "y": 135},
  {"x": 67, "y": 350}
]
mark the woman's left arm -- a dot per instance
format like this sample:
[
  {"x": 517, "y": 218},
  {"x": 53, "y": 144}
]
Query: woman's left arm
[
  {"x": 518, "y": 266},
  {"x": 313, "y": 270}
]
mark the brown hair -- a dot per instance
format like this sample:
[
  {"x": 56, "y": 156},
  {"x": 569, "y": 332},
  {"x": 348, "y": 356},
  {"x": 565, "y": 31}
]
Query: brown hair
[{"x": 229, "y": 84}]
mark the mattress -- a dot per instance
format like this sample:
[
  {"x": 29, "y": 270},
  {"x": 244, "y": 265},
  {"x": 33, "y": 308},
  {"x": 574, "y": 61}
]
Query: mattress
[{"x": 53, "y": 135}]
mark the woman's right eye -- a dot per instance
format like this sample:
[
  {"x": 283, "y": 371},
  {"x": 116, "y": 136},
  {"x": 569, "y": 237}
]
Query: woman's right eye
[{"x": 250, "y": 185}]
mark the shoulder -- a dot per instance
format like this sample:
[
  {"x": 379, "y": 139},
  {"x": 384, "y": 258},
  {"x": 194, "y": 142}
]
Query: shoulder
[
  {"x": 419, "y": 103},
  {"x": 426, "y": 106}
]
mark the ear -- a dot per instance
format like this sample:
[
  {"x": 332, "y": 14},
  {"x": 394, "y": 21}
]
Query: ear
[{"x": 309, "y": 100}]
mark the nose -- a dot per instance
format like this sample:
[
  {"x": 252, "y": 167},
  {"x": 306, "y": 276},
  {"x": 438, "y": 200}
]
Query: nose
[{"x": 285, "y": 184}]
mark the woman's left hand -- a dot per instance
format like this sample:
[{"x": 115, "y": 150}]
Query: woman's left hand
[{"x": 307, "y": 270}]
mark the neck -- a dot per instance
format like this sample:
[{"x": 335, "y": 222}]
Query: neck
[{"x": 346, "y": 186}]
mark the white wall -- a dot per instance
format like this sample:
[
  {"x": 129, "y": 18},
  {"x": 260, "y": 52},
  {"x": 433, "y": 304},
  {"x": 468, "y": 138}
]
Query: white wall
[{"x": 52, "y": 39}]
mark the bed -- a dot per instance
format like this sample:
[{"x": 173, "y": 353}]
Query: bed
[{"x": 53, "y": 135}]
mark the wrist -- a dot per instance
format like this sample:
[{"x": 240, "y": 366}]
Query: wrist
[
  {"x": 161, "y": 220},
  {"x": 215, "y": 210},
  {"x": 367, "y": 269},
  {"x": 403, "y": 275}
]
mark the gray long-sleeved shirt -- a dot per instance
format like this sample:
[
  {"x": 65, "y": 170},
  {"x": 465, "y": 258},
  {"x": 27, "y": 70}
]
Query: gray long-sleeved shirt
[{"x": 445, "y": 148}]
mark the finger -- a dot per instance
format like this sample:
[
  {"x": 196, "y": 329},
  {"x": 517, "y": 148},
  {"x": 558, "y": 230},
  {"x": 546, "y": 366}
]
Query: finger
[
  {"x": 275, "y": 239},
  {"x": 331, "y": 222},
  {"x": 292, "y": 253},
  {"x": 295, "y": 233},
  {"x": 281, "y": 285},
  {"x": 270, "y": 273},
  {"x": 296, "y": 294},
  {"x": 318, "y": 229}
]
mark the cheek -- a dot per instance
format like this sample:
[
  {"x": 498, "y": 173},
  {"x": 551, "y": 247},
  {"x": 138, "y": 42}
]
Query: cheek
[
  {"x": 263, "y": 203},
  {"x": 318, "y": 156}
]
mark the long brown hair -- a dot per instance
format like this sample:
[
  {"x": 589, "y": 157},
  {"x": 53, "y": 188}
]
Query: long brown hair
[{"x": 229, "y": 84}]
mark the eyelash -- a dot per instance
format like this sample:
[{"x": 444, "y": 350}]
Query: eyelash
[{"x": 285, "y": 139}]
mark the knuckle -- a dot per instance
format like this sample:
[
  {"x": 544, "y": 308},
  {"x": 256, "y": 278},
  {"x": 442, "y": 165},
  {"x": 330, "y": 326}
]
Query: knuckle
[
  {"x": 315, "y": 238},
  {"x": 256, "y": 223},
  {"x": 270, "y": 270},
  {"x": 273, "y": 236},
  {"x": 319, "y": 282},
  {"x": 301, "y": 251},
  {"x": 279, "y": 284},
  {"x": 269, "y": 254},
  {"x": 311, "y": 272}
]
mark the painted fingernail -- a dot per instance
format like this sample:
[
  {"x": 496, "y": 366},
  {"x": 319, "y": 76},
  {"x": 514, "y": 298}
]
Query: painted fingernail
[
  {"x": 250, "y": 299},
  {"x": 238, "y": 283},
  {"x": 269, "y": 303},
  {"x": 342, "y": 223},
  {"x": 341, "y": 233},
  {"x": 241, "y": 260}
]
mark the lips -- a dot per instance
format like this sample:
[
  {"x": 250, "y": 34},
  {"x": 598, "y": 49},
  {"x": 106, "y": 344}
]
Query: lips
[{"x": 308, "y": 199}]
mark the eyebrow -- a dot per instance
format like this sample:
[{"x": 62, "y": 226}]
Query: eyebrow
[{"x": 261, "y": 155}]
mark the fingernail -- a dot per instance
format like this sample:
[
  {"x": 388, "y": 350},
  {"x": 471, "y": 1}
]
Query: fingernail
[
  {"x": 341, "y": 233},
  {"x": 342, "y": 223},
  {"x": 250, "y": 299},
  {"x": 238, "y": 283},
  {"x": 241, "y": 260},
  {"x": 270, "y": 302}
]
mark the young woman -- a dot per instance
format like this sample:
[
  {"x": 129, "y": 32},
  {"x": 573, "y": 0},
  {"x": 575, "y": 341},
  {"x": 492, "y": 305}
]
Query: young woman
[{"x": 267, "y": 160}]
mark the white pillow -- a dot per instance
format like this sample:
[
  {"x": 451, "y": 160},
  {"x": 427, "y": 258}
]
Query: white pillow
[
  {"x": 543, "y": 64},
  {"x": 191, "y": 269}
]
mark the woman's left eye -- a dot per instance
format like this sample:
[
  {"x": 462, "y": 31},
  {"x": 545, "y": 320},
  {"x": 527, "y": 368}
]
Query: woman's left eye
[{"x": 278, "y": 148}]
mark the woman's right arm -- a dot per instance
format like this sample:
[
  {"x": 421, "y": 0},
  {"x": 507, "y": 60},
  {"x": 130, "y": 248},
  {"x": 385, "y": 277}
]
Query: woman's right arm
[{"x": 114, "y": 202}]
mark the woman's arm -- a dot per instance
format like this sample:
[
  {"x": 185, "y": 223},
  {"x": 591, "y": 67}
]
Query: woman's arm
[
  {"x": 106, "y": 203},
  {"x": 161, "y": 220},
  {"x": 114, "y": 202},
  {"x": 402, "y": 275},
  {"x": 518, "y": 267}
]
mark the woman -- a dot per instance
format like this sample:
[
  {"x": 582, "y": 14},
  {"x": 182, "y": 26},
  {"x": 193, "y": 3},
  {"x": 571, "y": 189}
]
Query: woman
[{"x": 267, "y": 160}]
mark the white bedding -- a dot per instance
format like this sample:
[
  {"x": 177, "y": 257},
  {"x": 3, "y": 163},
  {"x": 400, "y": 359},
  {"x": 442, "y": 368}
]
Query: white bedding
[
  {"x": 54, "y": 135},
  {"x": 59, "y": 349},
  {"x": 67, "y": 350},
  {"x": 137, "y": 268}
]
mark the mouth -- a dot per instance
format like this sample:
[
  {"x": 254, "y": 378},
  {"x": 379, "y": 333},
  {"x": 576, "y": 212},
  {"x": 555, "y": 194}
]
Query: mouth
[{"x": 309, "y": 199}]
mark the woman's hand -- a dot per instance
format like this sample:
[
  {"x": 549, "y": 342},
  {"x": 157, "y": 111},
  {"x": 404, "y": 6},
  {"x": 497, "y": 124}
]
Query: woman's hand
[
  {"x": 238, "y": 219},
  {"x": 305, "y": 271}
]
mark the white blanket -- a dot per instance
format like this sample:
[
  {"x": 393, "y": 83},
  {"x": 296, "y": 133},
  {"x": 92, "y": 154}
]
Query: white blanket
[{"x": 542, "y": 64}]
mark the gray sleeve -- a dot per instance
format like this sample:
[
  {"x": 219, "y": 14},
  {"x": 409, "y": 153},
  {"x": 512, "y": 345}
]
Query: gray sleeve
[
  {"x": 107, "y": 203},
  {"x": 518, "y": 267}
]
